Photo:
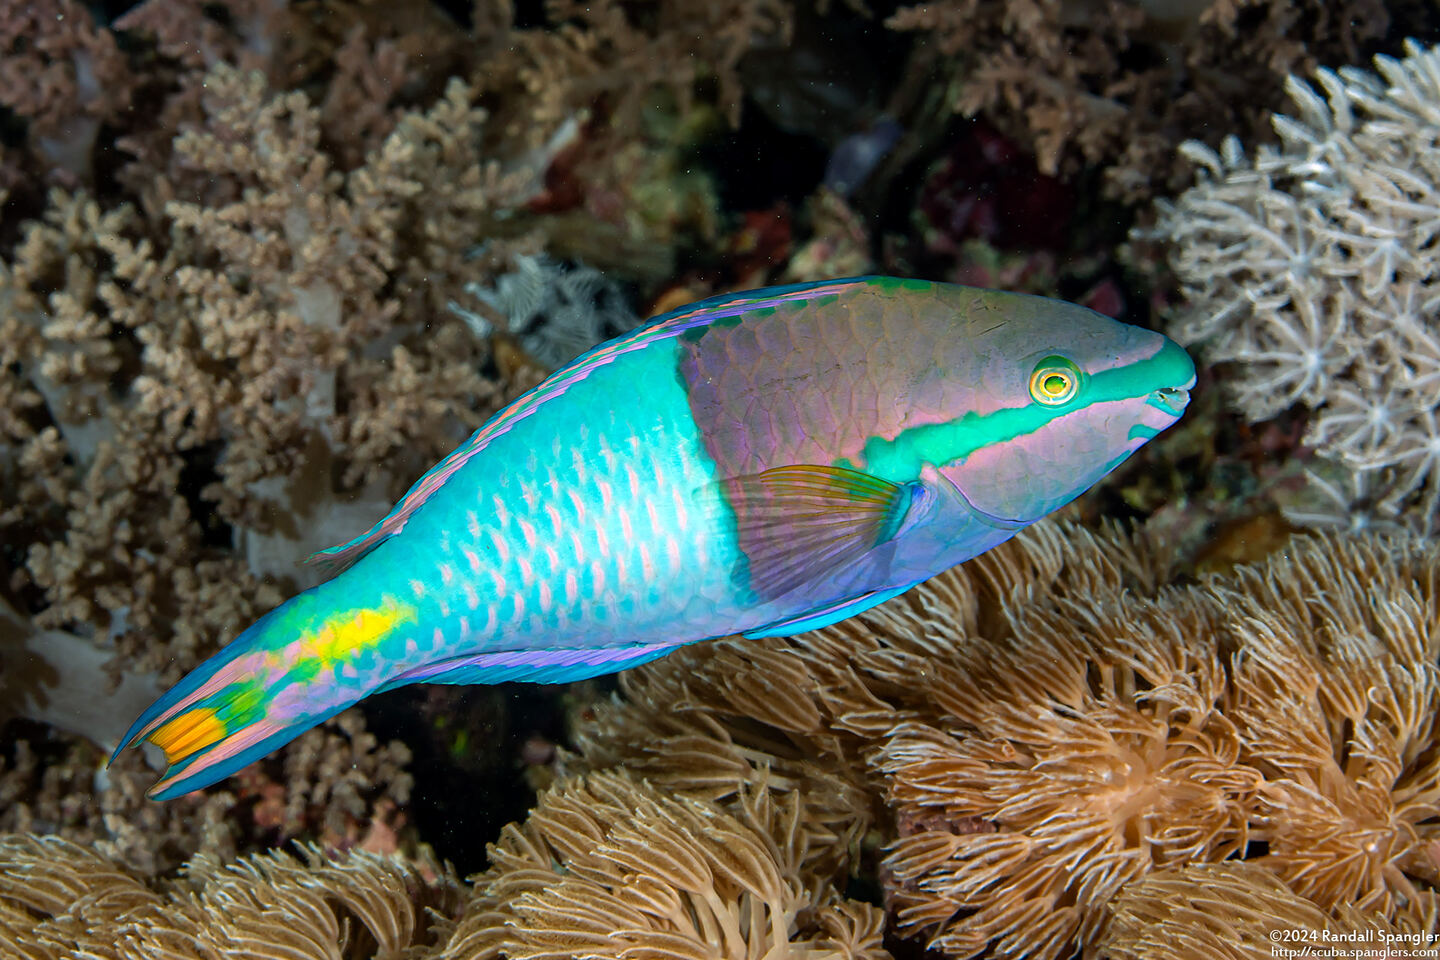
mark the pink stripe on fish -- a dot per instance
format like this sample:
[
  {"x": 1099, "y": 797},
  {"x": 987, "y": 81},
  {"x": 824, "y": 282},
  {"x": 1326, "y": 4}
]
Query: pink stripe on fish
[
  {"x": 682, "y": 516},
  {"x": 502, "y": 549},
  {"x": 241, "y": 668}
]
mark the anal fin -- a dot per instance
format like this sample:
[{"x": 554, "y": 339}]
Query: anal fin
[{"x": 536, "y": 666}]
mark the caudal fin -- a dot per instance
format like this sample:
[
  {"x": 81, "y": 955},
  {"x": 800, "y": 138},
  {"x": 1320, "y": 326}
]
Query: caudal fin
[
  {"x": 206, "y": 742},
  {"x": 259, "y": 693}
]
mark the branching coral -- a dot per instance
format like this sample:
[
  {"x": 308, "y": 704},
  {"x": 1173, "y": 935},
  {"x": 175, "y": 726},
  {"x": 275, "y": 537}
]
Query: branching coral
[
  {"x": 65, "y": 78},
  {"x": 1110, "y": 83},
  {"x": 336, "y": 785},
  {"x": 142, "y": 365},
  {"x": 1311, "y": 267},
  {"x": 602, "y": 55}
]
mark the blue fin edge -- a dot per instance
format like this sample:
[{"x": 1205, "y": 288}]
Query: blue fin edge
[{"x": 825, "y": 616}]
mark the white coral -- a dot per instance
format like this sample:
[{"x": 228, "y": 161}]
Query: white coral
[{"x": 1312, "y": 268}]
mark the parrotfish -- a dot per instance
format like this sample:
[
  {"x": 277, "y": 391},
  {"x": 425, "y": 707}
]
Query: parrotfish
[{"x": 763, "y": 464}]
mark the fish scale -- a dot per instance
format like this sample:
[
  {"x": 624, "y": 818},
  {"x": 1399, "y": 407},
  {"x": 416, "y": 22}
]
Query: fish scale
[
  {"x": 620, "y": 557},
  {"x": 764, "y": 463}
]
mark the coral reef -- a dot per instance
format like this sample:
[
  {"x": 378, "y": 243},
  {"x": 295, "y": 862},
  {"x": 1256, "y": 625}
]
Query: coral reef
[
  {"x": 608, "y": 867},
  {"x": 1240, "y": 911},
  {"x": 1056, "y": 720},
  {"x": 232, "y": 235},
  {"x": 336, "y": 785},
  {"x": 262, "y": 263},
  {"x": 604, "y": 867},
  {"x": 1310, "y": 267},
  {"x": 59, "y": 899},
  {"x": 142, "y": 366},
  {"x": 1109, "y": 84}
]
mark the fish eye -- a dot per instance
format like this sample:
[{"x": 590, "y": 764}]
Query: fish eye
[{"x": 1054, "y": 381}]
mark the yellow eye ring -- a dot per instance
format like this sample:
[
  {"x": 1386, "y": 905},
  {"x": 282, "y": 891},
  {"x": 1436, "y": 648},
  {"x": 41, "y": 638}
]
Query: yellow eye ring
[{"x": 1054, "y": 381}]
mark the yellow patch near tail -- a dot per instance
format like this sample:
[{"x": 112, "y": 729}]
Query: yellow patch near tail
[
  {"x": 191, "y": 731},
  {"x": 350, "y": 630}
]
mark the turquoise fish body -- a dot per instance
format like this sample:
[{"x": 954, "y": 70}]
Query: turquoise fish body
[{"x": 765, "y": 464}]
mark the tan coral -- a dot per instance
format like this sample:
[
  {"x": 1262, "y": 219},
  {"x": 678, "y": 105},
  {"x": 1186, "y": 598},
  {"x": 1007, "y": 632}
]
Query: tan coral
[
  {"x": 58, "y": 899},
  {"x": 1057, "y": 718},
  {"x": 1339, "y": 702},
  {"x": 801, "y": 714},
  {"x": 215, "y": 352},
  {"x": 1242, "y": 911},
  {"x": 65, "y": 77},
  {"x": 1087, "y": 751},
  {"x": 336, "y": 784},
  {"x": 608, "y": 867}
]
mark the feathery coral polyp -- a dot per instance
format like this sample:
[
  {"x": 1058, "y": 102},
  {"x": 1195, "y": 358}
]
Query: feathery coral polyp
[
  {"x": 1074, "y": 757},
  {"x": 1311, "y": 266}
]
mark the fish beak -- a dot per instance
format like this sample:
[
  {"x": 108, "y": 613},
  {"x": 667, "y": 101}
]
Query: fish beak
[{"x": 1171, "y": 400}]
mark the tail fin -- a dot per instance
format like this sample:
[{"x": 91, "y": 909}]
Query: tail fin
[{"x": 278, "y": 679}]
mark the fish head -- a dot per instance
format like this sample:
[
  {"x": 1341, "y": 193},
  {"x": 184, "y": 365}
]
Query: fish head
[{"x": 1051, "y": 400}]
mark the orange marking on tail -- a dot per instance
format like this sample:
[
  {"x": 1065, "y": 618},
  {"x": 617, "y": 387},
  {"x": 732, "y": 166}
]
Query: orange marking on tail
[{"x": 191, "y": 731}]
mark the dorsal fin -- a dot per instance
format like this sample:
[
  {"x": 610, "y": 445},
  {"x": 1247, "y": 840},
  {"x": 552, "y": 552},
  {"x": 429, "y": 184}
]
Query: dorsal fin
[{"x": 335, "y": 559}]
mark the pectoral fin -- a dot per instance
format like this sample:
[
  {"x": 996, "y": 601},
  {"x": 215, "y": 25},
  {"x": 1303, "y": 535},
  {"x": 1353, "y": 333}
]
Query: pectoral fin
[{"x": 795, "y": 525}]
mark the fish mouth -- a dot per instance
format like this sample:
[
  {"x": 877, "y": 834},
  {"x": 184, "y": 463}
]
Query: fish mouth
[{"x": 1170, "y": 400}]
